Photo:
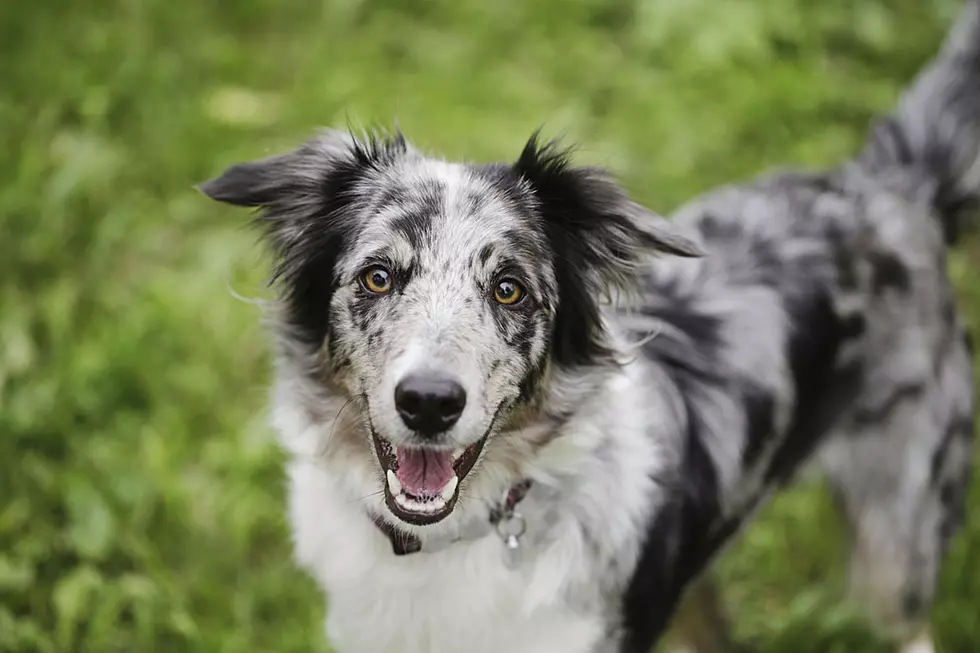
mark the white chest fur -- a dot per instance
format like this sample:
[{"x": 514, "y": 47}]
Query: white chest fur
[{"x": 461, "y": 597}]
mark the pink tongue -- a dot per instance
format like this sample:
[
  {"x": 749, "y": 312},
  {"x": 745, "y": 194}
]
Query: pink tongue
[{"x": 423, "y": 472}]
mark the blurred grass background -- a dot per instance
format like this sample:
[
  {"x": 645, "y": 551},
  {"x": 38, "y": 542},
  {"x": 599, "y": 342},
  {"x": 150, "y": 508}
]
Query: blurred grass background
[{"x": 140, "y": 489}]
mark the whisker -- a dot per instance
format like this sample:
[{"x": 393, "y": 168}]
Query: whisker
[
  {"x": 367, "y": 496},
  {"x": 340, "y": 412},
  {"x": 254, "y": 301},
  {"x": 333, "y": 425}
]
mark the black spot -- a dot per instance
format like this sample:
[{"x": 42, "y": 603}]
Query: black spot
[
  {"x": 677, "y": 310},
  {"x": 888, "y": 273},
  {"x": 842, "y": 257},
  {"x": 506, "y": 182},
  {"x": 852, "y": 326},
  {"x": 308, "y": 292},
  {"x": 485, "y": 253},
  {"x": 759, "y": 407},
  {"x": 529, "y": 385},
  {"x": 523, "y": 340},
  {"x": 955, "y": 209},
  {"x": 767, "y": 266},
  {"x": 676, "y": 547},
  {"x": 363, "y": 310},
  {"x": 517, "y": 325},
  {"x": 306, "y": 267},
  {"x": 492, "y": 369},
  {"x": 823, "y": 388},
  {"x": 520, "y": 245},
  {"x": 711, "y": 227},
  {"x": 912, "y": 604},
  {"x": 418, "y": 209},
  {"x": 391, "y": 196},
  {"x": 949, "y": 312},
  {"x": 952, "y": 499},
  {"x": 947, "y": 494},
  {"x": 654, "y": 589},
  {"x": 474, "y": 202},
  {"x": 901, "y": 393},
  {"x": 414, "y": 226},
  {"x": 404, "y": 275},
  {"x": 824, "y": 183},
  {"x": 957, "y": 428},
  {"x": 889, "y": 131}
]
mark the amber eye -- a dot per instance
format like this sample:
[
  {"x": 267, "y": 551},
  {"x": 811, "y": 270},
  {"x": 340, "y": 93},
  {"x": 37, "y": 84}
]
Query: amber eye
[
  {"x": 376, "y": 279},
  {"x": 508, "y": 292}
]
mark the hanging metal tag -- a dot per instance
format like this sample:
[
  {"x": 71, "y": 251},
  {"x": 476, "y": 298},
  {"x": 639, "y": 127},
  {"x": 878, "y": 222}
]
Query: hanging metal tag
[
  {"x": 512, "y": 552},
  {"x": 510, "y": 528}
]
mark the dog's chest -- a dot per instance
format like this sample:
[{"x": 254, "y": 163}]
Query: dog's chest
[
  {"x": 462, "y": 597},
  {"x": 449, "y": 602}
]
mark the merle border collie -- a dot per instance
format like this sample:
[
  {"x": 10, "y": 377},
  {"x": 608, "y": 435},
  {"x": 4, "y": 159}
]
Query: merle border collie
[{"x": 524, "y": 413}]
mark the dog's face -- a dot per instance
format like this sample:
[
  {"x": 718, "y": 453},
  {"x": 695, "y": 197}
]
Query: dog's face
[{"x": 436, "y": 296}]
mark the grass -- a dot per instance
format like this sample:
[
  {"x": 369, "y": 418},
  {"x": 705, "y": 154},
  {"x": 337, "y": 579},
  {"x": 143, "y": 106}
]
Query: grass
[{"x": 141, "y": 490}]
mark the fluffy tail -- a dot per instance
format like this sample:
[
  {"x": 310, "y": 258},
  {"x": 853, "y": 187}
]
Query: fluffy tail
[{"x": 931, "y": 144}]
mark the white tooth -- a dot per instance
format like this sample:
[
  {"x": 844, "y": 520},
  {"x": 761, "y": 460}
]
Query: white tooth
[
  {"x": 394, "y": 484},
  {"x": 435, "y": 505},
  {"x": 449, "y": 489}
]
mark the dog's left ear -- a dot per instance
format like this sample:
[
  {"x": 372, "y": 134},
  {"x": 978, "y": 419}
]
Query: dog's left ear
[
  {"x": 600, "y": 239},
  {"x": 591, "y": 220}
]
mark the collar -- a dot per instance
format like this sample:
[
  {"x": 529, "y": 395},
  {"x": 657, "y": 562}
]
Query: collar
[{"x": 404, "y": 543}]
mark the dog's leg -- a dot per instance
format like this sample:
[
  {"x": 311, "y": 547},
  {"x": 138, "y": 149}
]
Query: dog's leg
[
  {"x": 900, "y": 476},
  {"x": 700, "y": 625}
]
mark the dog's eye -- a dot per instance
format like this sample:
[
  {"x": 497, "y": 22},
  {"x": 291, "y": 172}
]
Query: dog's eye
[
  {"x": 508, "y": 292},
  {"x": 376, "y": 279}
]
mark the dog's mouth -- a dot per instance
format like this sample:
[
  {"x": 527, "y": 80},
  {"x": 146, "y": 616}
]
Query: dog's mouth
[{"x": 422, "y": 483}]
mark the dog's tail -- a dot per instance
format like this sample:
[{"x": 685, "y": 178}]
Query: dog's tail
[{"x": 930, "y": 145}]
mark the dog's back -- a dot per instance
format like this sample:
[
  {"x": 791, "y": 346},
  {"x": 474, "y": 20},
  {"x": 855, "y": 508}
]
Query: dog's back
[{"x": 823, "y": 318}]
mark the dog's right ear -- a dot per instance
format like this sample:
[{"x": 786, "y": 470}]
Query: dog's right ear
[
  {"x": 300, "y": 174},
  {"x": 307, "y": 188},
  {"x": 255, "y": 183}
]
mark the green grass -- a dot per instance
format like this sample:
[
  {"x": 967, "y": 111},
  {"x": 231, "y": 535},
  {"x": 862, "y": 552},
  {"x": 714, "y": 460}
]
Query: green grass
[{"x": 140, "y": 490}]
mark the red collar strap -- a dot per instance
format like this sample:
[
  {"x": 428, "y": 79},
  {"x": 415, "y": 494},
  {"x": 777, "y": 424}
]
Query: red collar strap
[{"x": 403, "y": 542}]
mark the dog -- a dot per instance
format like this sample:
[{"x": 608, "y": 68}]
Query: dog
[{"x": 524, "y": 413}]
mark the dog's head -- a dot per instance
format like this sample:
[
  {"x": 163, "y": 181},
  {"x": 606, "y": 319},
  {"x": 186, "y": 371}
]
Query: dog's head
[{"x": 437, "y": 297}]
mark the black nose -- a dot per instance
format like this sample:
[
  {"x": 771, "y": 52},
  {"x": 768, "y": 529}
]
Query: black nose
[{"x": 429, "y": 403}]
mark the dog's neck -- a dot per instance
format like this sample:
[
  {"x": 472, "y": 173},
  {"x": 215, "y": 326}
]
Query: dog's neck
[{"x": 404, "y": 543}]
